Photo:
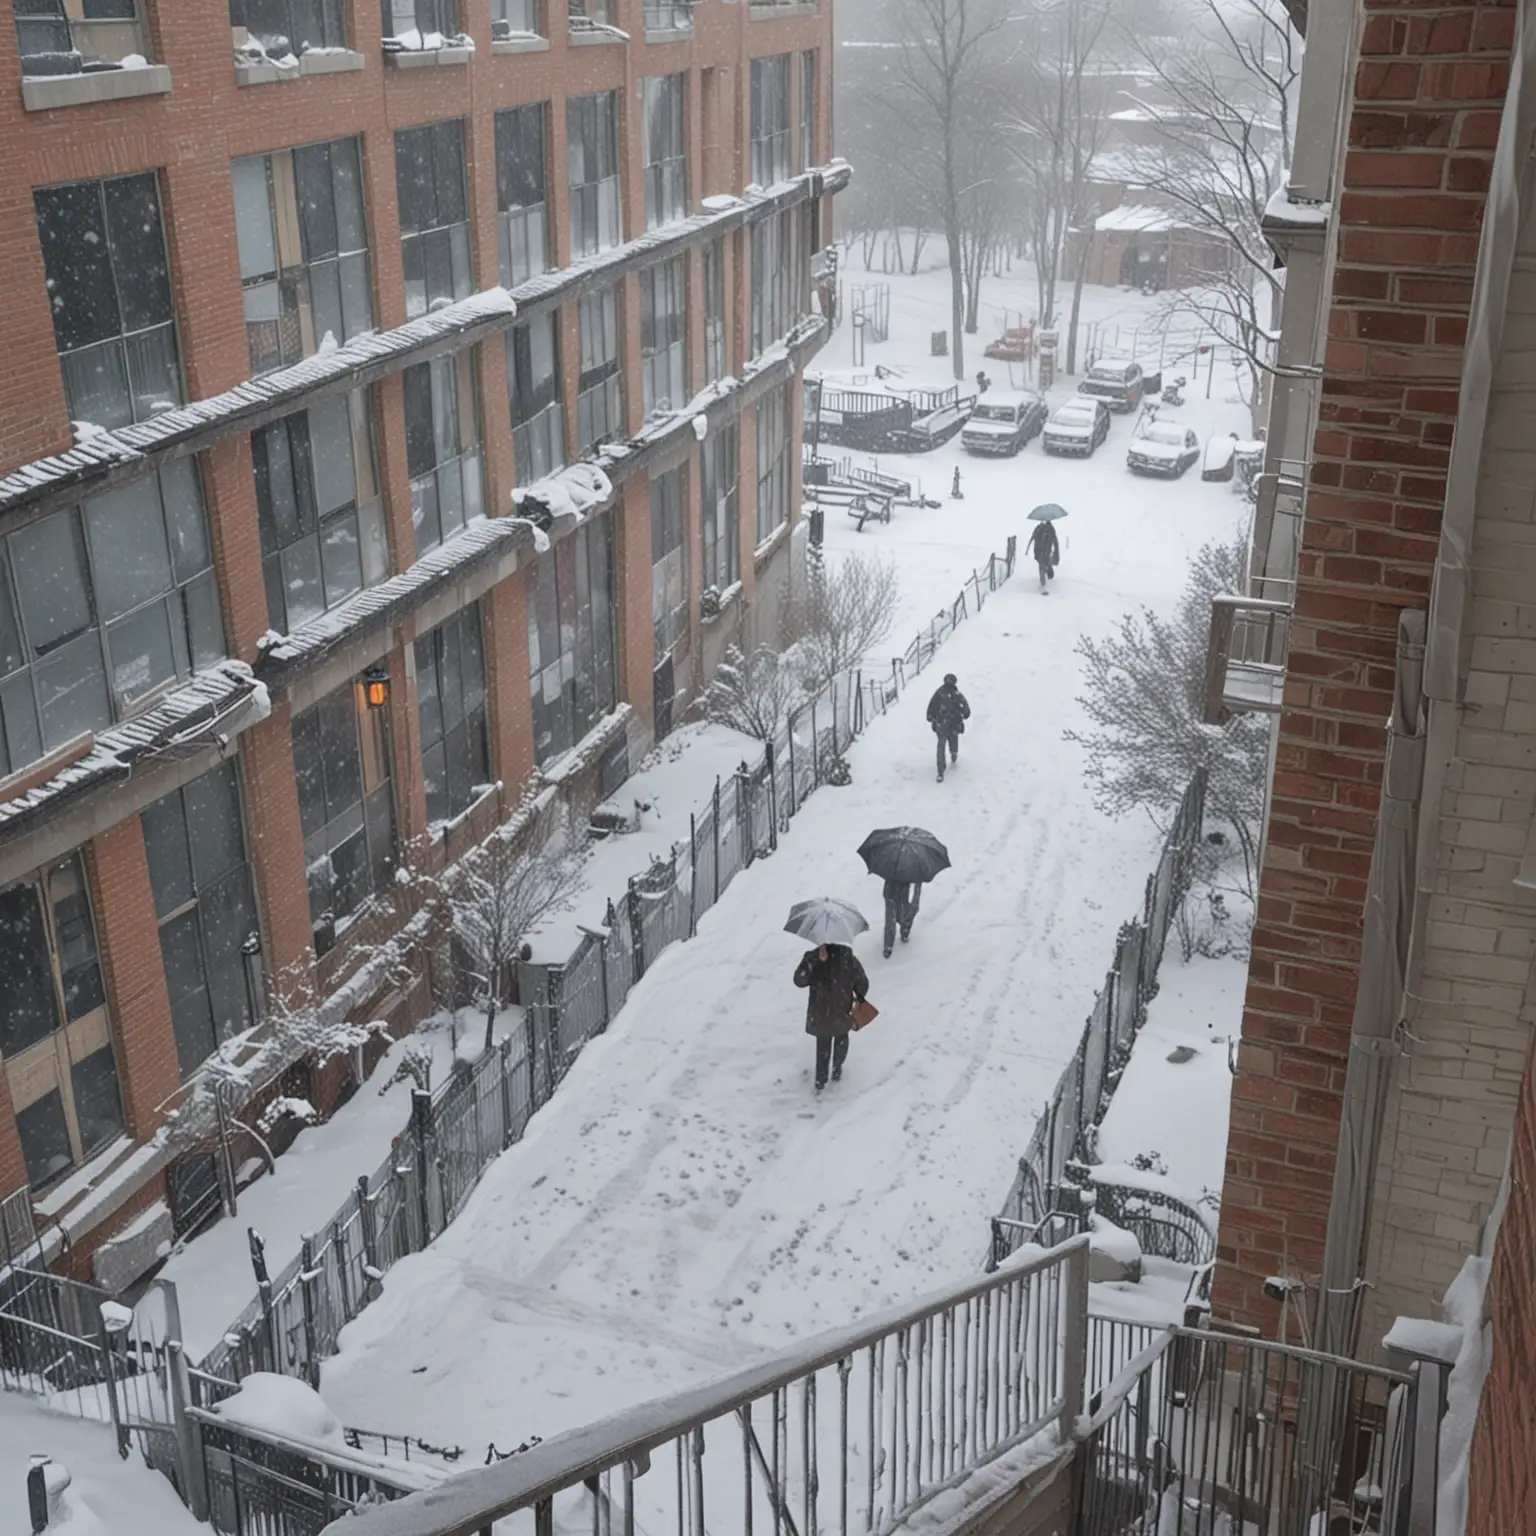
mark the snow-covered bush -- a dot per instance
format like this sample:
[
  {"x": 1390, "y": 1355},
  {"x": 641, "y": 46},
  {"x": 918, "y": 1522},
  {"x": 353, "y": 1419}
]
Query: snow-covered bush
[
  {"x": 752, "y": 694},
  {"x": 1144, "y": 696}
]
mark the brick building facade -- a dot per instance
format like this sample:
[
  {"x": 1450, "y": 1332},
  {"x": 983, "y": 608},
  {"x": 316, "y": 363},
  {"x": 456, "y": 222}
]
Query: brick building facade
[{"x": 319, "y": 285}]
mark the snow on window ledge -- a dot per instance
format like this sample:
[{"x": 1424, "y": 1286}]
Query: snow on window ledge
[
  {"x": 413, "y": 49},
  {"x": 46, "y": 92},
  {"x": 520, "y": 42},
  {"x": 253, "y": 69},
  {"x": 770, "y": 546},
  {"x": 584, "y": 754}
]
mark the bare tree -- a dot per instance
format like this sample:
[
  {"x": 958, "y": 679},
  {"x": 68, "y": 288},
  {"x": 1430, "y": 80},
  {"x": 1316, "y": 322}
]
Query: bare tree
[
  {"x": 950, "y": 51},
  {"x": 1145, "y": 688},
  {"x": 528, "y": 869},
  {"x": 847, "y": 609},
  {"x": 1225, "y": 126},
  {"x": 753, "y": 694}
]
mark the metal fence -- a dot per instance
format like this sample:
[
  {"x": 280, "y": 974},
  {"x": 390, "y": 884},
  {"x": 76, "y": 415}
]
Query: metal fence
[
  {"x": 1064, "y": 1133},
  {"x": 1203, "y": 1433},
  {"x": 851, "y": 1431}
]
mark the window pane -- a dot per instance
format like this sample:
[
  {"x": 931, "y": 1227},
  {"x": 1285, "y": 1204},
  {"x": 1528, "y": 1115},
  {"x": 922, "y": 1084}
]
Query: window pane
[
  {"x": 420, "y": 454},
  {"x": 181, "y": 955},
  {"x": 75, "y": 935},
  {"x": 165, "y": 845},
  {"x": 373, "y": 543},
  {"x": 143, "y": 652},
  {"x": 338, "y": 741},
  {"x": 129, "y": 557},
  {"x": 303, "y": 591},
  {"x": 413, "y": 179},
  {"x": 427, "y": 703},
  {"x": 138, "y": 251},
  {"x": 356, "y": 295},
  {"x": 330, "y": 450},
  {"x": 317, "y": 208},
  {"x": 96, "y": 385},
  {"x": 72, "y": 691},
  {"x": 347, "y": 183},
  {"x": 181, "y": 493},
  {"x": 28, "y": 1007},
  {"x": 325, "y": 300},
  {"x": 18, "y": 714},
  {"x": 340, "y": 560},
  {"x": 253, "y": 216},
  {"x": 154, "y": 376},
  {"x": 44, "y": 1137},
  {"x": 98, "y": 1104},
  {"x": 72, "y": 230},
  {"x": 228, "y": 921},
  {"x": 213, "y": 824},
  {"x": 448, "y": 153},
  {"x": 309, "y": 770},
  {"x": 50, "y": 580}
]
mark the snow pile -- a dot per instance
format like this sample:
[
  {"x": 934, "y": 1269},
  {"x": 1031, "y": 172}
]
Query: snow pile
[
  {"x": 1114, "y": 1253},
  {"x": 283, "y": 1405},
  {"x": 1464, "y": 1307},
  {"x": 572, "y": 494},
  {"x": 962, "y": 1506}
]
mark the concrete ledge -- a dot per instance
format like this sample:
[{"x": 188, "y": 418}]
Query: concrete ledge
[
  {"x": 668, "y": 34},
  {"x": 764, "y": 10},
  {"x": 520, "y": 45},
  {"x": 49, "y": 91},
  {"x": 342, "y": 61},
  {"x": 593, "y": 37},
  {"x": 425, "y": 58}
]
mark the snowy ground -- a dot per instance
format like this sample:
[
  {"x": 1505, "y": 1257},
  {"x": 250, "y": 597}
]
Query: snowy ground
[
  {"x": 686, "y": 1202},
  {"x": 106, "y": 1497}
]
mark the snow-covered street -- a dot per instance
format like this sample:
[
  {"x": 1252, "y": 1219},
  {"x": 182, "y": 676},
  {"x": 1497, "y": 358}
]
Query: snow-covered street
[{"x": 686, "y": 1200}]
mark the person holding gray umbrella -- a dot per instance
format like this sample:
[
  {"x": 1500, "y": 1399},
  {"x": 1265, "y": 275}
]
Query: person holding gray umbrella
[
  {"x": 906, "y": 858},
  {"x": 1043, "y": 543},
  {"x": 833, "y": 975}
]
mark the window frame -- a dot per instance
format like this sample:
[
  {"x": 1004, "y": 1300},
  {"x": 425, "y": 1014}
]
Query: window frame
[
  {"x": 444, "y": 17},
  {"x": 770, "y": 127},
  {"x": 123, "y": 36},
  {"x": 671, "y": 567},
  {"x": 123, "y": 346},
  {"x": 431, "y": 159},
  {"x": 773, "y": 483},
  {"x": 664, "y": 101},
  {"x": 331, "y": 31},
  {"x": 460, "y": 473},
  {"x": 716, "y": 358},
  {"x": 502, "y": 25},
  {"x": 809, "y": 72},
  {"x": 538, "y": 424},
  {"x": 664, "y": 356},
  {"x": 720, "y": 507},
  {"x": 596, "y": 211},
  {"x": 439, "y": 655},
  {"x": 522, "y": 235},
  {"x": 775, "y": 279},
  {"x": 600, "y": 381}
]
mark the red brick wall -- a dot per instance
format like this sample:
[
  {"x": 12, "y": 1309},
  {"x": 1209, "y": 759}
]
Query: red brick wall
[
  {"x": 1503, "y": 1476},
  {"x": 1422, "y": 125}
]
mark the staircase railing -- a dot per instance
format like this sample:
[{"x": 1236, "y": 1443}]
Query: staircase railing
[{"x": 851, "y": 1431}]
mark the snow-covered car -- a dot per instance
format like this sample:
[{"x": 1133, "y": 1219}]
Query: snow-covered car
[
  {"x": 1077, "y": 427},
  {"x": 1120, "y": 385},
  {"x": 1163, "y": 448},
  {"x": 1003, "y": 422},
  {"x": 1219, "y": 453}
]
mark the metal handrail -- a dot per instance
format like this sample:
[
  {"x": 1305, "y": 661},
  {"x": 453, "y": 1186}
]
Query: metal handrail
[{"x": 473, "y": 1500}]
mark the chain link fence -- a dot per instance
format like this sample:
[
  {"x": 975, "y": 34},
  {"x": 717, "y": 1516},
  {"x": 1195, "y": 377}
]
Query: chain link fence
[{"x": 1064, "y": 1133}]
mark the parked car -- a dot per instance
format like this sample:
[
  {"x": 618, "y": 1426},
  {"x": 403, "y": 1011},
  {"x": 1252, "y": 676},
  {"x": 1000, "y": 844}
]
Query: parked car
[
  {"x": 1077, "y": 427},
  {"x": 1120, "y": 385},
  {"x": 1163, "y": 447},
  {"x": 1003, "y": 422},
  {"x": 1219, "y": 455}
]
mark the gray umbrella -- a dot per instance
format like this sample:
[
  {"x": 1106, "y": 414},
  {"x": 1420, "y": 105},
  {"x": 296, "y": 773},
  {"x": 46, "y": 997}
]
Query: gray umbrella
[
  {"x": 826, "y": 920},
  {"x": 1047, "y": 513},
  {"x": 907, "y": 854}
]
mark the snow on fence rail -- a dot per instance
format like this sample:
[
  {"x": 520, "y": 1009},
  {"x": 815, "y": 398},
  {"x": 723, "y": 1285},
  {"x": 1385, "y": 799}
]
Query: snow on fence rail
[{"x": 1064, "y": 1133}]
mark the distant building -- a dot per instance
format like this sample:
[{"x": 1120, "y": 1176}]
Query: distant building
[{"x": 321, "y": 294}]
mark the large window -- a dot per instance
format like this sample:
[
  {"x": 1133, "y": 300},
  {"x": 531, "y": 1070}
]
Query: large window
[
  {"x": 592, "y": 172},
  {"x": 770, "y": 119},
  {"x": 450, "y": 692},
  {"x": 807, "y": 110},
  {"x": 774, "y": 279},
  {"x": 303, "y": 250},
  {"x": 515, "y": 18},
  {"x": 55, "y": 1037},
  {"x": 664, "y": 334},
  {"x": 714, "y": 311},
  {"x": 421, "y": 23},
  {"x": 317, "y": 496},
  {"x": 197, "y": 868},
  {"x": 109, "y": 284},
  {"x": 434, "y": 215},
  {"x": 669, "y": 562},
  {"x": 533, "y": 387},
  {"x": 69, "y": 37},
  {"x": 341, "y": 761},
  {"x": 773, "y": 466},
  {"x": 600, "y": 401},
  {"x": 101, "y": 604},
  {"x": 522, "y": 193},
  {"x": 669, "y": 15},
  {"x": 442, "y": 446},
  {"x": 284, "y": 27},
  {"x": 666, "y": 150},
  {"x": 571, "y": 650},
  {"x": 721, "y": 528}
]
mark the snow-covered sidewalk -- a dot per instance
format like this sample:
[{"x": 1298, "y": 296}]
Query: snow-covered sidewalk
[{"x": 686, "y": 1202}]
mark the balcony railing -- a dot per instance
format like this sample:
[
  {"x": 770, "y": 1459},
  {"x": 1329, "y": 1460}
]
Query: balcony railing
[{"x": 1245, "y": 656}]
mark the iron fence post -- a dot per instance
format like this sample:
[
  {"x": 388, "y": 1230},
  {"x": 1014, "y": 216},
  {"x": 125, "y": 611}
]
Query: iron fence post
[
  {"x": 602, "y": 960},
  {"x": 636, "y": 931},
  {"x": 815, "y": 749},
  {"x": 693, "y": 877},
  {"x": 264, "y": 1295},
  {"x": 307, "y": 1296},
  {"x": 339, "y": 1248},
  {"x": 552, "y": 1025},
  {"x": 109, "y": 1369},
  {"x": 504, "y": 1067},
  {"x": 365, "y": 1220},
  {"x": 421, "y": 1136},
  {"x": 189, "y": 1458},
  {"x": 773, "y": 798},
  {"x": 716, "y": 836},
  {"x": 1074, "y": 1336},
  {"x": 794, "y": 782}
]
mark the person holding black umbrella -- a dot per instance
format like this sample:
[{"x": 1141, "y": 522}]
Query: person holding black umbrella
[
  {"x": 1043, "y": 543},
  {"x": 905, "y": 858}
]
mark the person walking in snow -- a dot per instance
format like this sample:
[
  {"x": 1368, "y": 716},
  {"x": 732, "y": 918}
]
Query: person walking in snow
[
  {"x": 835, "y": 979},
  {"x": 1044, "y": 547},
  {"x": 947, "y": 714},
  {"x": 901, "y": 902}
]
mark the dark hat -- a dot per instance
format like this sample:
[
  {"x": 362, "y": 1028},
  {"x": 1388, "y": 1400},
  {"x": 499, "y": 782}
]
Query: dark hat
[{"x": 949, "y": 677}]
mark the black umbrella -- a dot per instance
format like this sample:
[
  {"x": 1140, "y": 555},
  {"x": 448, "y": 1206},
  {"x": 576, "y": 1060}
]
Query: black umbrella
[{"x": 907, "y": 854}]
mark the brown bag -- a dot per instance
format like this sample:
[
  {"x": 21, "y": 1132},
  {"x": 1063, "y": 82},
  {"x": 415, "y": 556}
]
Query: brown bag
[{"x": 864, "y": 1012}]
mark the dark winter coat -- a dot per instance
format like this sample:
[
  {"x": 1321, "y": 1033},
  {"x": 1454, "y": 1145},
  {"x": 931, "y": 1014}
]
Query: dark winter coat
[
  {"x": 834, "y": 983},
  {"x": 1044, "y": 546},
  {"x": 948, "y": 711}
]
